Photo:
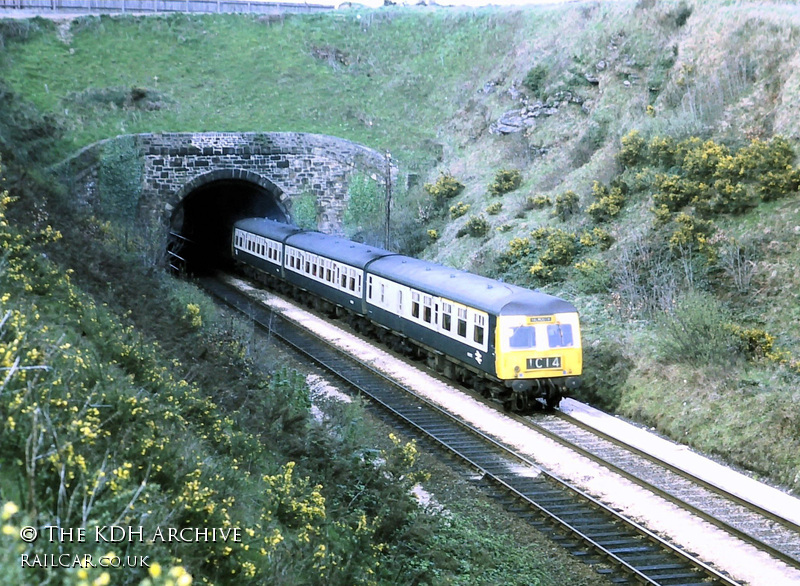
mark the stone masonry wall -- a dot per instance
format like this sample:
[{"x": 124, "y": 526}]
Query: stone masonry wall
[{"x": 287, "y": 164}]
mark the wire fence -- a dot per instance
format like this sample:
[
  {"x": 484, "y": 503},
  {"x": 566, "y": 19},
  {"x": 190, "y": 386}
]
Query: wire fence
[{"x": 153, "y": 6}]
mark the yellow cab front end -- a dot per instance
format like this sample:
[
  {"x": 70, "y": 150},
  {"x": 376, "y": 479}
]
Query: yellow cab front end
[{"x": 533, "y": 349}]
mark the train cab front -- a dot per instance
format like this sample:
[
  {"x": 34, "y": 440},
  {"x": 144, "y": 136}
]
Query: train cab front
[{"x": 539, "y": 357}]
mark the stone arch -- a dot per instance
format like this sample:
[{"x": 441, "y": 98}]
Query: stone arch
[
  {"x": 206, "y": 207},
  {"x": 233, "y": 174}
]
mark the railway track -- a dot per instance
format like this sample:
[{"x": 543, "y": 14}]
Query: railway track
[
  {"x": 755, "y": 525},
  {"x": 624, "y": 551}
]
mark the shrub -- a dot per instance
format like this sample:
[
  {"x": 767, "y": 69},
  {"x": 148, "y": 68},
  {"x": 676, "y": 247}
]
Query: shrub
[
  {"x": 675, "y": 192},
  {"x": 535, "y": 79},
  {"x": 757, "y": 343},
  {"x": 304, "y": 211},
  {"x": 364, "y": 215},
  {"x": 537, "y": 202},
  {"x": 433, "y": 235},
  {"x": 505, "y": 180},
  {"x": 593, "y": 276},
  {"x": 696, "y": 332},
  {"x": 597, "y": 237},
  {"x": 632, "y": 151},
  {"x": 662, "y": 150},
  {"x": 727, "y": 197},
  {"x": 691, "y": 232},
  {"x": 475, "y": 226},
  {"x": 445, "y": 188},
  {"x": 609, "y": 201},
  {"x": 567, "y": 204},
  {"x": 701, "y": 162},
  {"x": 459, "y": 209},
  {"x": 561, "y": 248},
  {"x": 605, "y": 370},
  {"x": 494, "y": 208},
  {"x": 777, "y": 184}
]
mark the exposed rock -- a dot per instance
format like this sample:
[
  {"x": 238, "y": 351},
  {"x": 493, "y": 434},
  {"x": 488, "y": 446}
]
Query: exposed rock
[
  {"x": 490, "y": 87},
  {"x": 601, "y": 65},
  {"x": 594, "y": 80},
  {"x": 510, "y": 122}
]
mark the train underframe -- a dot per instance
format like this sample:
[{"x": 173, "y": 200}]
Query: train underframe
[{"x": 518, "y": 396}]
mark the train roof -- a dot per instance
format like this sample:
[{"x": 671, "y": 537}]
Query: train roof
[
  {"x": 268, "y": 228},
  {"x": 333, "y": 247},
  {"x": 468, "y": 289},
  {"x": 337, "y": 248}
]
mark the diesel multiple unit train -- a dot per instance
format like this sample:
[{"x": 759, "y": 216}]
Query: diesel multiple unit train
[{"x": 518, "y": 346}]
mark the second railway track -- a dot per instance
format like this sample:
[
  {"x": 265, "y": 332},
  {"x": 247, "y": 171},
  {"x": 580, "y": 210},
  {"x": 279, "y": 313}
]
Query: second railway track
[
  {"x": 764, "y": 529},
  {"x": 628, "y": 553}
]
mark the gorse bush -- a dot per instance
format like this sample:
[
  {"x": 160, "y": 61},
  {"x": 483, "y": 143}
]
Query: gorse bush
[
  {"x": 593, "y": 276},
  {"x": 608, "y": 201},
  {"x": 505, "y": 180},
  {"x": 632, "y": 152},
  {"x": 566, "y": 204},
  {"x": 445, "y": 188},
  {"x": 709, "y": 176},
  {"x": 459, "y": 209},
  {"x": 537, "y": 202},
  {"x": 494, "y": 208},
  {"x": 550, "y": 254},
  {"x": 476, "y": 226}
]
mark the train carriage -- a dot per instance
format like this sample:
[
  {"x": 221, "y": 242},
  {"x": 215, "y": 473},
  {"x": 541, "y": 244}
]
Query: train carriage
[
  {"x": 330, "y": 267},
  {"x": 509, "y": 342},
  {"x": 259, "y": 243},
  {"x": 529, "y": 340}
]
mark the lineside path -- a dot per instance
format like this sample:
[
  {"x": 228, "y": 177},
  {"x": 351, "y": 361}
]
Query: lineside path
[{"x": 767, "y": 497}]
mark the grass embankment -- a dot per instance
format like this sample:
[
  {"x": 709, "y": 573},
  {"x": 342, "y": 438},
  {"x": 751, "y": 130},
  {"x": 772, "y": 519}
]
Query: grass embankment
[{"x": 385, "y": 79}]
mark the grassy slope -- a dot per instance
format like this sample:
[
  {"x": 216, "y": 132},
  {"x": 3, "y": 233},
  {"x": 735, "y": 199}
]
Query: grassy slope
[
  {"x": 410, "y": 82},
  {"x": 396, "y": 83}
]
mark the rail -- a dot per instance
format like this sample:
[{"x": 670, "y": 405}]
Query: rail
[
  {"x": 634, "y": 554},
  {"x": 160, "y": 6}
]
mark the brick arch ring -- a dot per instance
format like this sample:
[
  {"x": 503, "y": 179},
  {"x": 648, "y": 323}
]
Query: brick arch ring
[{"x": 281, "y": 199}]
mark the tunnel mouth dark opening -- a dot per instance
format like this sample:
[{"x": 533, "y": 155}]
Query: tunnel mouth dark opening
[{"x": 201, "y": 224}]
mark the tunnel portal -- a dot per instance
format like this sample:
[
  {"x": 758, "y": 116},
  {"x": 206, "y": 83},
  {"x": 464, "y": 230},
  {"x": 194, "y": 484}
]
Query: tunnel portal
[{"x": 201, "y": 224}]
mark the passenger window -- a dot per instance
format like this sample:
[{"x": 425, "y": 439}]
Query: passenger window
[
  {"x": 446, "y": 321},
  {"x": 559, "y": 335},
  {"x": 352, "y": 283},
  {"x": 427, "y": 314},
  {"x": 415, "y": 305},
  {"x": 478, "y": 334},
  {"x": 462, "y": 322},
  {"x": 344, "y": 280}
]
